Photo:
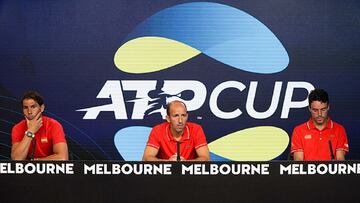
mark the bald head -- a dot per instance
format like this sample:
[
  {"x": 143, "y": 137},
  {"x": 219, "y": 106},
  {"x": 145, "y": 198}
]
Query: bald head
[{"x": 173, "y": 103}]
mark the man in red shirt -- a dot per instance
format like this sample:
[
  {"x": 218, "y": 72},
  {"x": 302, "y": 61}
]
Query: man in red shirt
[
  {"x": 177, "y": 139},
  {"x": 37, "y": 137},
  {"x": 320, "y": 138}
]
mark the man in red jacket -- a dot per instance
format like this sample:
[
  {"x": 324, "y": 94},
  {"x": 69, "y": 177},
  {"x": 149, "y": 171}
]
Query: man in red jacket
[
  {"x": 37, "y": 137},
  {"x": 320, "y": 138},
  {"x": 177, "y": 139}
]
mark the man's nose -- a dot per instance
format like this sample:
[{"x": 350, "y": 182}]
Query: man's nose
[{"x": 319, "y": 112}]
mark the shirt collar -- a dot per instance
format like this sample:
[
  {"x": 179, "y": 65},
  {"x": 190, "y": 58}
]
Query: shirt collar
[{"x": 185, "y": 135}]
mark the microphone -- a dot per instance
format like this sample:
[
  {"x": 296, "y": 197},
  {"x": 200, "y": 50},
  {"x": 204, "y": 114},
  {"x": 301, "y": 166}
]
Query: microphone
[
  {"x": 33, "y": 149},
  {"x": 331, "y": 151},
  {"x": 178, "y": 151}
]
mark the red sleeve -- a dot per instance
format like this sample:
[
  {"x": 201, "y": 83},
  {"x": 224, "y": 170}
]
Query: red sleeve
[
  {"x": 153, "y": 141},
  {"x": 296, "y": 143},
  {"x": 200, "y": 139},
  {"x": 17, "y": 133},
  {"x": 57, "y": 133},
  {"x": 343, "y": 141}
]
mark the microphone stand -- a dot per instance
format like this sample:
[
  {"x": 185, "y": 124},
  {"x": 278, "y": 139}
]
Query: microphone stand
[
  {"x": 331, "y": 151},
  {"x": 33, "y": 149},
  {"x": 178, "y": 151}
]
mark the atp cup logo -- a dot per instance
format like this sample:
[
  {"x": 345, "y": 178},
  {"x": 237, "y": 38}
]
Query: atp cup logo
[{"x": 179, "y": 33}]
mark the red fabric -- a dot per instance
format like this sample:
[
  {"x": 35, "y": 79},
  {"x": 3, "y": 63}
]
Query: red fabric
[
  {"x": 315, "y": 143},
  {"x": 49, "y": 134},
  {"x": 192, "y": 139}
]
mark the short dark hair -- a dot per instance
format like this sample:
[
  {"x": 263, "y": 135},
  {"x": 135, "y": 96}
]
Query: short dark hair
[
  {"x": 169, "y": 104},
  {"x": 318, "y": 95},
  {"x": 33, "y": 95}
]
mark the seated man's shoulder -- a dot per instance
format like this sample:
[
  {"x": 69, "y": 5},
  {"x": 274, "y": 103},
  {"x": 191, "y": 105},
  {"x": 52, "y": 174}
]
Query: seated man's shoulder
[
  {"x": 160, "y": 126},
  {"x": 20, "y": 124},
  {"x": 337, "y": 125},
  {"x": 193, "y": 125},
  {"x": 302, "y": 125},
  {"x": 51, "y": 121}
]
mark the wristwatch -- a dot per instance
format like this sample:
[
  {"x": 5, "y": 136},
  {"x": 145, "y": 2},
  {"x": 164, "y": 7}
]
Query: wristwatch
[{"x": 29, "y": 134}]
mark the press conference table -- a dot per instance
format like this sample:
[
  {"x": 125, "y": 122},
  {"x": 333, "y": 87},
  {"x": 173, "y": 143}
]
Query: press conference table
[{"x": 118, "y": 181}]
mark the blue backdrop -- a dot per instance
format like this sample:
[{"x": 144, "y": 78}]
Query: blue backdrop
[{"x": 244, "y": 68}]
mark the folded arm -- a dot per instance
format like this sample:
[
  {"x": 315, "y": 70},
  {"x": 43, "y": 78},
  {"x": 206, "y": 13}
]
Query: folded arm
[
  {"x": 60, "y": 153},
  {"x": 202, "y": 153},
  {"x": 298, "y": 156},
  {"x": 150, "y": 154},
  {"x": 19, "y": 150}
]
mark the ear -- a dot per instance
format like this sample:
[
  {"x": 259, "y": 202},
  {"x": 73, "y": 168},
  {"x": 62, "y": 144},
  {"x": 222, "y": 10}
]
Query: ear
[
  {"x": 168, "y": 118},
  {"x": 42, "y": 107}
]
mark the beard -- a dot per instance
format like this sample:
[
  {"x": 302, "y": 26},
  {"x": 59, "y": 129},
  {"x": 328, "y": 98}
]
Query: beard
[
  {"x": 180, "y": 128},
  {"x": 320, "y": 120},
  {"x": 30, "y": 117}
]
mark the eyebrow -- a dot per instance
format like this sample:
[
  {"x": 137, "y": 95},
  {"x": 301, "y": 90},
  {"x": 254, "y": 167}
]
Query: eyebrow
[
  {"x": 34, "y": 105},
  {"x": 180, "y": 114},
  {"x": 320, "y": 108}
]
